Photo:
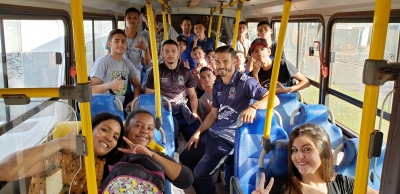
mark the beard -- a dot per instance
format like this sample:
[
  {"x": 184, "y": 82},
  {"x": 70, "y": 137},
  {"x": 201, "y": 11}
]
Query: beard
[
  {"x": 225, "y": 72},
  {"x": 170, "y": 62}
]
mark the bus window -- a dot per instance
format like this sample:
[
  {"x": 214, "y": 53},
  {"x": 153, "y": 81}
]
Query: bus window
[
  {"x": 88, "y": 29},
  {"x": 30, "y": 52},
  {"x": 291, "y": 42},
  {"x": 252, "y": 30},
  {"x": 350, "y": 47},
  {"x": 300, "y": 36},
  {"x": 121, "y": 24},
  {"x": 101, "y": 31},
  {"x": 2, "y": 106},
  {"x": 98, "y": 31}
]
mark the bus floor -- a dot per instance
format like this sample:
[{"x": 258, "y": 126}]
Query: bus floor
[{"x": 220, "y": 186}]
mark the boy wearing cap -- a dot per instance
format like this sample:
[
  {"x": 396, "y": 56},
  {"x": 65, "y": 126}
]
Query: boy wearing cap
[
  {"x": 262, "y": 69},
  {"x": 201, "y": 40},
  {"x": 186, "y": 26}
]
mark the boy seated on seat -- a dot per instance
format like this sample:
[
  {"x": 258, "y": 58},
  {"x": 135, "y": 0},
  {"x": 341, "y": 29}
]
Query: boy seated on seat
[
  {"x": 207, "y": 79},
  {"x": 111, "y": 73}
]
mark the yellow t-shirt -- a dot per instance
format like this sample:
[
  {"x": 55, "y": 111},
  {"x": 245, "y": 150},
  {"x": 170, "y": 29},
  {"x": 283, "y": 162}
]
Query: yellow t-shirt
[{"x": 60, "y": 169}]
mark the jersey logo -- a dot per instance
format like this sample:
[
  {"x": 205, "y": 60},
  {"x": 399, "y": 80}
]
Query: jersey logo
[
  {"x": 219, "y": 93},
  {"x": 225, "y": 112},
  {"x": 181, "y": 81},
  {"x": 232, "y": 93},
  {"x": 164, "y": 79}
]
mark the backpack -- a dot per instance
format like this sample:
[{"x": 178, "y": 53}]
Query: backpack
[{"x": 134, "y": 173}]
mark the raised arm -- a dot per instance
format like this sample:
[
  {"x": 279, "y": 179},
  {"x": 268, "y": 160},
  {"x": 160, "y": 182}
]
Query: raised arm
[{"x": 33, "y": 159}]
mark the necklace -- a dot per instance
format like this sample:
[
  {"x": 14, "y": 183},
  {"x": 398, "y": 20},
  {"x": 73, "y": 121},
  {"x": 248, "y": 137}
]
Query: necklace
[{"x": 130, "y": 44}]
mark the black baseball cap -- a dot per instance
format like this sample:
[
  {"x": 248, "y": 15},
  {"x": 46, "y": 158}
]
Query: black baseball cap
[
  {"x": 256, "y": 42},
  {"x": 182, "y": 39}
]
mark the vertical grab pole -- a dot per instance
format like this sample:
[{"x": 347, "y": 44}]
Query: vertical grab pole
[
  {"x": 275, "y": 68},
  {"x": 378, "y": 40},
  {"x": 153, "y": 47},
  {"x": 169, "y": 17},
  {"x": 235, "y": 31},
  {"x": 221, "y": 11},
  {"x": 210, "y": 22},
  {"x": 164, "y": 21},
  {"x": 80, "y": 56}
]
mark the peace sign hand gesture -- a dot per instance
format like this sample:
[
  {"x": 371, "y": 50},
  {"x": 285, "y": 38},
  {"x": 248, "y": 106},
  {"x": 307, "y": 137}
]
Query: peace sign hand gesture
[
  {"x": 135, "y": 148},
  {"x": 260, "y": 189}
]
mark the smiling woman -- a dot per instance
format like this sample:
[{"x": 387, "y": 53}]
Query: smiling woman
[
  {"x": 58, "y": 158},
  {"x": 139, "y": 132}
]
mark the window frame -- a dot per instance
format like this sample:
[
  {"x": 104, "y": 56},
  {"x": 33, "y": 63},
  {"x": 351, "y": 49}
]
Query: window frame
[
  {"x": 15, "y": 12},
  {"x": 354, "y": 17},
  {"x": 99, "y": 17},
  {"x": 305, "y": 19}
]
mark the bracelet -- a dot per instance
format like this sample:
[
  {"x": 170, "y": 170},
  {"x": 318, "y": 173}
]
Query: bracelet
[
  {"x": 252, "y": 106},
  {"x": 152, "y": 156}
]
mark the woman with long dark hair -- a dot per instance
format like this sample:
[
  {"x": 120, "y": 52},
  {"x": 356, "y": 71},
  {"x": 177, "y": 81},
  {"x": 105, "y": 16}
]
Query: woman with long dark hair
[{"x": 311, "y": 170}]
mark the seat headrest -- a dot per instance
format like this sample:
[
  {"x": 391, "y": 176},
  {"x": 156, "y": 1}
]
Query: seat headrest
[
  {"x": 350, "y": 152},
  {"x": 315, "y": 113},
  {"x": 278, "y": 164},
  {"x": 62, "y": 128}
]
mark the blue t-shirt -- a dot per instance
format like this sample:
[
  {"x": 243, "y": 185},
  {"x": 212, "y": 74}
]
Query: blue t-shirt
[
  {"x": 206, "y": 44},
  {"x": 232, "y": 99},
  {"x": 186, "y": 55}
]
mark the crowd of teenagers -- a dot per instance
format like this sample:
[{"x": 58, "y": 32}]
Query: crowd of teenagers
[{"x": 208, "y": 90}]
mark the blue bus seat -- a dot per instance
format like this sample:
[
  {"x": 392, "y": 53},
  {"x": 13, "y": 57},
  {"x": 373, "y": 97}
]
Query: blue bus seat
[
  {"x": 288, "y": 103},
  {"x": 101, "y": 103},
  {"x": 247, "y": 149},
  {"x": 348, "y": 164},
  {"x": 147, "y": 102},
  {"x": 277, "y": 165},
  {"x": 318, "y": 114}
]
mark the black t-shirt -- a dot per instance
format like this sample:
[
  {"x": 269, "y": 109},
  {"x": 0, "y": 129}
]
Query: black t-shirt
[
  {"x": 285, "y": 77},
  {"x": 341, "y": 185}
]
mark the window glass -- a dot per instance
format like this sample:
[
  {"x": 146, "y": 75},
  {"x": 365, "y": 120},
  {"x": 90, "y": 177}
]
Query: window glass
[
  {"x": 350, "y": 116},
  {"x": 30, "y": 52},
  {"x": 121, "y": 24},
  {"x": 309, "y": 66},
  {"x": 101, "y": 31},
  {"x": 89, "y": 44},
  {"x": 350, "y": 47},
  {"x": 252, "y": 30},
  {"x": 310, "y": 95},
  {"x": 291, "y": 42},
  {"x": 2, "y": 106}
]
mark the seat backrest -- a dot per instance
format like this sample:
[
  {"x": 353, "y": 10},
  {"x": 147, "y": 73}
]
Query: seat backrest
[
  {"x": 62, "y": 128},
  {"x": 318, "y": 114},
  {"x": 277, "y": 165},
  {"x": 348, "y": 164},
  {"x": 288, "y": 103},
  {"x": 147, "y": 102},
  {"x": 247, "y": 149},
  {"x": 101, "y": 103}
]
